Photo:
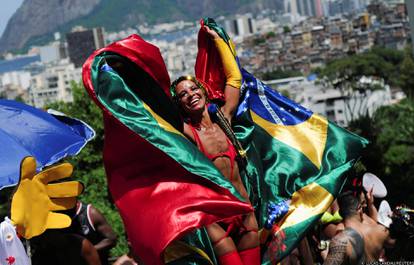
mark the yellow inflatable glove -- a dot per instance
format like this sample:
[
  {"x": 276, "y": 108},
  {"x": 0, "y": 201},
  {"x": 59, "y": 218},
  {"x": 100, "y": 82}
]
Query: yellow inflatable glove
[
  {"x": 35, "y": 199},
  {"x": 230, "y": 67}
]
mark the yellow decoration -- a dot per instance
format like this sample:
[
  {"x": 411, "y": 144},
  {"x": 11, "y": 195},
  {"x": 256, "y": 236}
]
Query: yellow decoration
[
  {"x": 230, "y": 67},
  {"x": 328, "y": 218},
  {"x": 179, "y": 249},
  {"x": 308, "y": 137},
  {"x": 35, "y": 199}
]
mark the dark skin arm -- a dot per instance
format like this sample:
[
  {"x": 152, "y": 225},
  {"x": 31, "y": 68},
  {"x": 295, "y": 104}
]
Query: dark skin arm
[
  {"x": 345, "y": 248},
  {"x": 103, "y": 228},
  {"x": 89, "y": 253},
  {"x": 372, "y": 210}
]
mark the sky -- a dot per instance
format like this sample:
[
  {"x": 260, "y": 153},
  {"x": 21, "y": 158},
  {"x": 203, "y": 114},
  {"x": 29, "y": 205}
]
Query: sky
[{"x": 8, "y": 7}]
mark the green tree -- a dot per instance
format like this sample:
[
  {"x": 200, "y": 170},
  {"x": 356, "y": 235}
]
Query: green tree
[
  {"x": 259, "y": 40},
  {"x": 286, "y": 29},
  {"x": 379, "y": 66},
  {"x": 279, "y": 73},
  {"x": 390, "y": 153},
  {"x": 406, "y": 80},
  {"x": 88, "y": 164}
]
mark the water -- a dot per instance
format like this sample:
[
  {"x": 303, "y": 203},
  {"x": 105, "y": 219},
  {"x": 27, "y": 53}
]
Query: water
[{"x": 17, "y": 64}]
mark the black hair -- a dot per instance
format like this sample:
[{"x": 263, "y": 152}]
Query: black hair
[{"x": 348, "y": 204}]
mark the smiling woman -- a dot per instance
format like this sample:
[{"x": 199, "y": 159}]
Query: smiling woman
[{"x": 235, "y": 240}]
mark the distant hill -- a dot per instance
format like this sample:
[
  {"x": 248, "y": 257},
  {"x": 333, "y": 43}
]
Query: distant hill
[{"x": 36, "y": 20}]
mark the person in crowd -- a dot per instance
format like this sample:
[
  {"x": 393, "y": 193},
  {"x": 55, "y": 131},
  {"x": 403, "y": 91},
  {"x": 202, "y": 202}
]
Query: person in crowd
[
  {"x": 235, "y": 241},
  {"x": 402, "y": 229},
  {"x": 90, "y": 223},
  {"x": 58, "y": 247},
  {"x": 363, "y": 238},
  {"x": 302, "y": 255},
  {"x": 329, "y": 225}
]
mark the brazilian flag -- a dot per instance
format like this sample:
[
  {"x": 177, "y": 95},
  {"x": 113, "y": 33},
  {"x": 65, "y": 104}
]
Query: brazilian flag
[
  {"x": 294, "y": 155},
  {"x": 166, "y": 190}
]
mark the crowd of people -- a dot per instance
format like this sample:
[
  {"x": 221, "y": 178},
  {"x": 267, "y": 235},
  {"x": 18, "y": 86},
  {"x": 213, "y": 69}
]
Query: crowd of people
[
  {"x": 87, "y": 241},
  {"x": 350, "y": 232}
]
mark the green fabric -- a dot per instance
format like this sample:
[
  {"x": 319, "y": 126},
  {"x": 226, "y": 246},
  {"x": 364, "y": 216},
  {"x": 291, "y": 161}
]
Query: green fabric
[
  {"x": 279, "y": 170},
  {"x": 129, "y": 109},
  {"x": 220, "y": 31},
  {"x": 199, "y": 238},
  {"x": 275, "y": 170}
]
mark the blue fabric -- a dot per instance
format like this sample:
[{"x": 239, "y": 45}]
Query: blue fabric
[
  {"x": 269, "y": 104},
  {"x": 27, "y": 131}
]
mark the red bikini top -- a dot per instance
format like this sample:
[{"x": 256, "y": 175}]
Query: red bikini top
[{"x": 230, "y": 153}]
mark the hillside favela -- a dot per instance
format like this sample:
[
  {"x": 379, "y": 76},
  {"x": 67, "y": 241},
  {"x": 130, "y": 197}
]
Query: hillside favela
[{"x": 207, "y": 132}]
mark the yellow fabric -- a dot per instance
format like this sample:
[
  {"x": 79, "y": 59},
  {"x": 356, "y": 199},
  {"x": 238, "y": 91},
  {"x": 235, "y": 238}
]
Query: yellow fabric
[
  {"x": 308, "y": 137},
  {"x": 179, "y": 249},
  {"x": 161, "y": 122},
  {"x": 35, "y": 199},
  {"x": 309, "y": 201},
  {"x": 230, "y": 68}
]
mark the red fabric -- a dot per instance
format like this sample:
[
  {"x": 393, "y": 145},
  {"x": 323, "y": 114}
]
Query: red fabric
[
  {"x": 231, "y": 258},
  {"x": 208, "y": 67},
  {"x": 250, "y": 256},
  {"x": 158, "y": 200},
  {"x": 140, "y": 52}
]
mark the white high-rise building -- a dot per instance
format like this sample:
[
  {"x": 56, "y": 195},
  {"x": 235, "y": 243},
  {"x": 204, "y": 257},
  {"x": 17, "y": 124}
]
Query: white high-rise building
[
  {"x": 410, "y": 9},
  {"x": 54, "y": 84},
  {"x": 14, "y": 84},
  {"x": 241, "y": 25},
  {"x": 53, "y": 52},
  {"x": 16, "y": 78}
]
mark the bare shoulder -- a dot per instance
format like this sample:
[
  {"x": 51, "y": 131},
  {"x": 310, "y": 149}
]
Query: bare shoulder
[
  {"x": 188, "y": 132},
  {"x": 337, "y": 253}
]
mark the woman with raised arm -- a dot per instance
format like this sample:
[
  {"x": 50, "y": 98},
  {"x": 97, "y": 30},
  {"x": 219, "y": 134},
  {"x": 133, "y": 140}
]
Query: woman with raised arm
[{"x": 235, "y": 241}]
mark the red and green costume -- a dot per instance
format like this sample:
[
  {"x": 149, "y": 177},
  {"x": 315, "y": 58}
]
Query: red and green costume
[
  {"x": 166, "y": 189},
  {"x": 162, "y": 185}
]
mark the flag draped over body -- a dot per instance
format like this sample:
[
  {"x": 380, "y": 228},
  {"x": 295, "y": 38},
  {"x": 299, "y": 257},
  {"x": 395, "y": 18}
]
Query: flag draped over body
[
  {"x": 28, "y": 131},
  {"x": 163, "y": 186},
  {"x": 293, "y": 153}
]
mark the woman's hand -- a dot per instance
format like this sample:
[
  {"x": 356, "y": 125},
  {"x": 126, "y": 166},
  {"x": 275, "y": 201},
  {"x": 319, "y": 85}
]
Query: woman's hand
[{"x": 211, "y": 33}]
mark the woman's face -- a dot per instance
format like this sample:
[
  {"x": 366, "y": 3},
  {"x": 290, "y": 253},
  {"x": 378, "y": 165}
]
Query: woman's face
[{"x": 190, "y": 96}]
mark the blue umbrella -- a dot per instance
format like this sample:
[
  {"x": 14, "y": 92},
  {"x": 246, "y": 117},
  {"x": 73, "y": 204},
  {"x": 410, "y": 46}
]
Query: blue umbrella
[{"x": 28, "y": 131}]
